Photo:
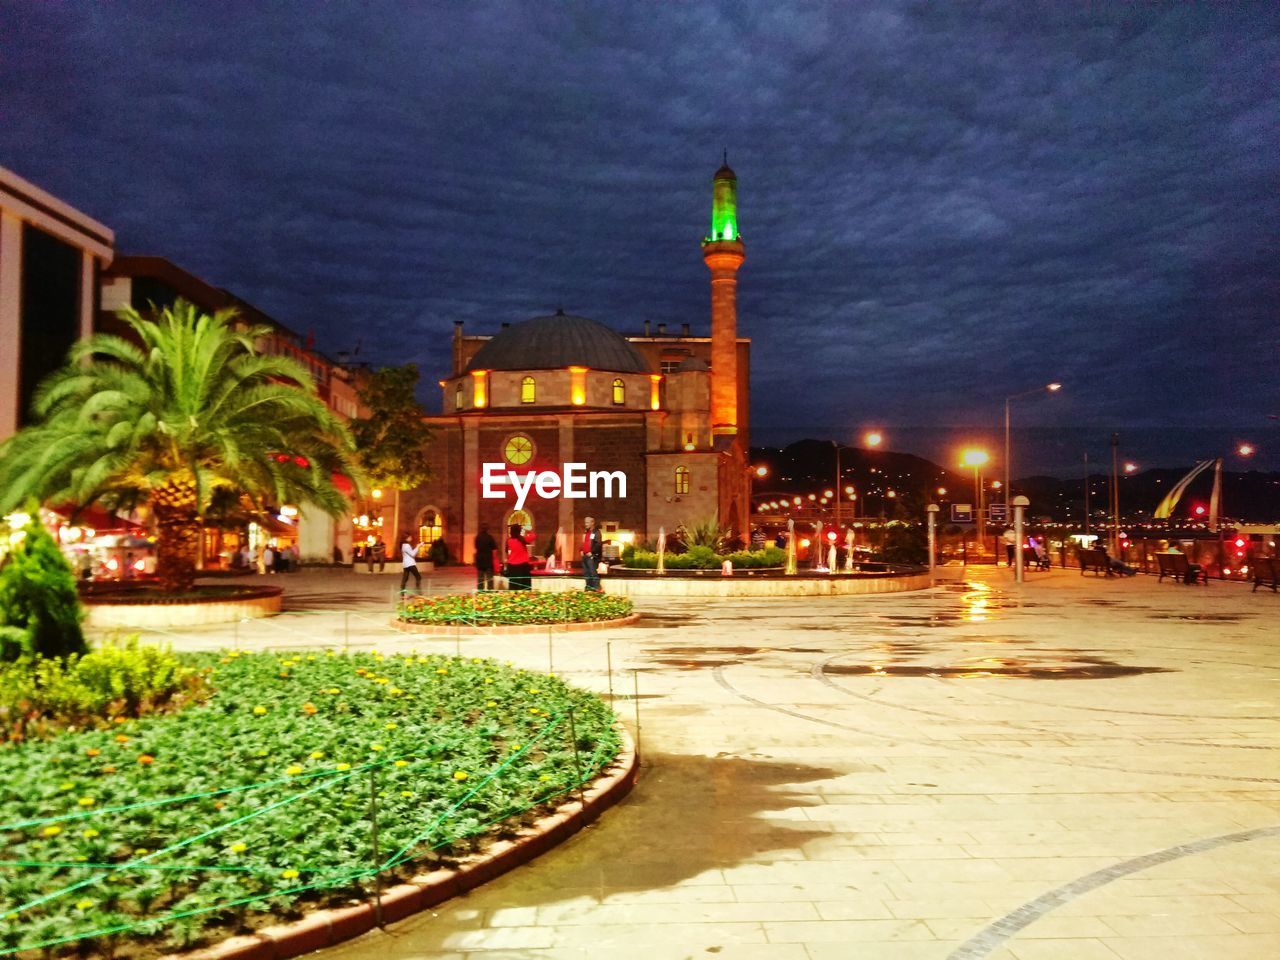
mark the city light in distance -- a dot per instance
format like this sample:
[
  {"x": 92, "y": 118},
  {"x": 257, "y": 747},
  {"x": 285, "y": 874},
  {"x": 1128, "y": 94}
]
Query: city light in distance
[
  {"x": 942, "y": 491},
  {"x": 828, "y": 493},
  {"x": 849, "y": 490},
  {"x": 1130, "y": 467},
  {"x": 762, "y": 471},
  {"x": 996, "y": 484},
  {"x": 874, "y": 438},
  {"x": 1054, "y": 387},
  {"x": 1245, "y": 449}
]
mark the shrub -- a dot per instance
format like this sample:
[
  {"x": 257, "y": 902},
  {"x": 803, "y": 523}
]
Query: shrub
[
  {"x": 38, "y": 596},
  {"x": 41, "y": 694},
  {"x": 702, "y": 558},
  {"x": 514, "y": 607},
  {"x": 639, "y": 559},
  {"x": 707, "y": 533}
]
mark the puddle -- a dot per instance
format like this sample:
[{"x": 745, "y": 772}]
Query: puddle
[
  {"x": 693, "y": 658},
  {"x": 1083, "y": 668},
  {"x": 666, "y": 619}
]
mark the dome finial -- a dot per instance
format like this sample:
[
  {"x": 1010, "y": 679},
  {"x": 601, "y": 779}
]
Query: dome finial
[{"x": 726, "y": 156}]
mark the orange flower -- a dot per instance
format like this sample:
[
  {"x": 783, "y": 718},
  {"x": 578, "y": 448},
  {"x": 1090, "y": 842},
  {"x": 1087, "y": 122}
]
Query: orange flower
[
  {"x": 92, "y": 752},
  {"x": 146, "y": 759},
  {"x": 121, "y": 738},
  {"x": 309, "y": 709}
]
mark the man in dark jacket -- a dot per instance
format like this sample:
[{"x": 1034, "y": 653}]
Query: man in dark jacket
[
  {"x": 486, "y": 551},
  {"x": 592, "y": 554}
]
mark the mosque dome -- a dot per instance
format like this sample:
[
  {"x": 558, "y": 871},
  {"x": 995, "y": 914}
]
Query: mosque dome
[{"x": 557, "y": 342}]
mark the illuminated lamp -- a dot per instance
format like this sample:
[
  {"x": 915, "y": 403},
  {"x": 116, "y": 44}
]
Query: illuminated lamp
[
  {"x": 1239, "y": 542},
  {"x": 874, "y": 439},
  {"x": 762, "y": 471},
  {"x": 113, "y": 564},
  {"x": 831, "y": 535},
  {"x": 849, "y": 490},
  {"x": 1199, "y": 510},
  {"x": 813, "y": 496},
  {"x": 804, "y": 542},
  {"x": 891, "y": 494},
  {"x": 655, "y": 399},
  {"x": 480, "y": 388},
  {"x": 288, "y": 511},
  {"x": 942, "y": 491},
  {"x": 796, "y": 501},
  {"x": 1245, "y": 449},
  {"x": 376, "y": 493},
  {"x": 578, "y": 385},
  {"x": 139, "y": 565}
]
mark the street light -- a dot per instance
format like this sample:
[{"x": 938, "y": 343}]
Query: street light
[
  {"x": 873, "y": 439},
  {"x": 975, "y": 458},
  {"x": 1246, "y": 449},
  {"x": 1008, "y": 454}
]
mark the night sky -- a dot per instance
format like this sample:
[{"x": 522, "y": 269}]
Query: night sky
[{"x": 942, "y": 204}]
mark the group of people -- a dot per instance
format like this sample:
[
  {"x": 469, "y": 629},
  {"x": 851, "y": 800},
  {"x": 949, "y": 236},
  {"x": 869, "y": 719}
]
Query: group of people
[
  {"x": 1036, "y": 545},
  {"x": 270, "y": 559},
  {"x": 518, "y": 567}
]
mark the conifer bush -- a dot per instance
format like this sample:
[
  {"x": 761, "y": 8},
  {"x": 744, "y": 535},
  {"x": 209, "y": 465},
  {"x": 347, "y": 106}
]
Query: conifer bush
[{"x": 38, "y": 600}]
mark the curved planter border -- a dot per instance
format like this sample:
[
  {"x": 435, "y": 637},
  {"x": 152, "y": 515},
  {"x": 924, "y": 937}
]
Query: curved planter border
[
  {"x": 187, "y": 614},
  {"x": 326, "y": 928},
  {"x": 453, "y": 630}
]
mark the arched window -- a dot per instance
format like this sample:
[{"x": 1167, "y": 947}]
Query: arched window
[
  {"x": 431, "y": 526},
  {"x": 457, "y": 396},
  {"x": 528, "y": 390},
  {"x": 682, "y": 479},
  {"x": 619, "y": 391}
]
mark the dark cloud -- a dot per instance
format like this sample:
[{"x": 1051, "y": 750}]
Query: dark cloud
[{"x": 942, "y": 203}]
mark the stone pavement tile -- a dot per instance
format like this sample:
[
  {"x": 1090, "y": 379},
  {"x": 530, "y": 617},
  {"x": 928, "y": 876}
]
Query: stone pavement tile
[
  {"x": 855, "y": 908},
  {"x": 836, "y": 850},
  {"x": 848, "y": 931},
  {"x": 936, "y": 907},
  {"x": 891, "y": 950},
  {"x": 1238, "y": 947},
  {"x": 814, "y": 892},
  {"x": 693, "y": 937},
  {"x": 561, "y": 914},
  {"x": 1254, "y": 922},
  {"x": 1066, "y": 949},
  {"x": 1102, "y": 903},
  {"x": 499, "y": 937},
  {"x": 1167, "y": 925}
]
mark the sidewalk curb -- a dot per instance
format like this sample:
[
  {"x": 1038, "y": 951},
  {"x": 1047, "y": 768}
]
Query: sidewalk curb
[{"x": 326, "y": 928}]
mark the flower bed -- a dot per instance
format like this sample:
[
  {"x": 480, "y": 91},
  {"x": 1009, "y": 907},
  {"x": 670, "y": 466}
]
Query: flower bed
[
  {"x": 149, "y": 595},
  {"x": 167, "y": 831},
  {"x": 514, "y": 607},
  {"x": 704, "y": 558}
]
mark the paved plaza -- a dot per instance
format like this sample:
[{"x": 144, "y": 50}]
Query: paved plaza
[{"x": 1078, "y": 768}]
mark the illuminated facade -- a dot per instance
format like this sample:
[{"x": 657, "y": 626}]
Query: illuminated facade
[{"x": 668, "y": 409}]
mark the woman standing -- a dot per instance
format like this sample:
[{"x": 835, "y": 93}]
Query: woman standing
[{"x": 518, "y": 566}]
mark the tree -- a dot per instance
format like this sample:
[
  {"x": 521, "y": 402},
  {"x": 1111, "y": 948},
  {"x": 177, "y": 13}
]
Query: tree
[
  {"x": 39, "y": 607},
  {"x": 393, "y": 439},
  {"x": 190, "y": 410}
]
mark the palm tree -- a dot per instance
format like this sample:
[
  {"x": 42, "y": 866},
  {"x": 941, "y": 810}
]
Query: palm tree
[{"x": 190, "y": 410}]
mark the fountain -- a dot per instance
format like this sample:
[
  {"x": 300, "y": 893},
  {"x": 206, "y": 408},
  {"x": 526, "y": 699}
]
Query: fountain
[
  {"x": 662, "y": 550},
  {"x": 791, "y": 547},
  {"x": 817, "y": 547},
  {"x": 848, "y": 551},
  {"x": 831, "y": 558}
]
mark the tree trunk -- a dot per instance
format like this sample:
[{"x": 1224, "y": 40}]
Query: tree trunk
[
  {"x": 177, "y": 546},
  {"x": 178, "y": 531}
]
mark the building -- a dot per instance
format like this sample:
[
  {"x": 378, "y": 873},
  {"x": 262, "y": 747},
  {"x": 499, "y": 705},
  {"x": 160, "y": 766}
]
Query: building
[
  {"x": 51, "y": 256},
  {"x": 670, "y": 411},
  {"x": 147, "y": 282}
]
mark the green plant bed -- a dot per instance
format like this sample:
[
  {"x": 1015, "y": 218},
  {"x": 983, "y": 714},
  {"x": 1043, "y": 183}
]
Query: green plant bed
[
  {"x": 152, "y": 594},
  {"x": 515, "y": 607},
  {"x": 704, "y": 558},
  {"x": 171, "y": 831}
]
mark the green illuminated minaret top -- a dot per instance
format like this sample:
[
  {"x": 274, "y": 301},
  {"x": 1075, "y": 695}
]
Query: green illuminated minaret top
[{"x": 724, "y": 205}]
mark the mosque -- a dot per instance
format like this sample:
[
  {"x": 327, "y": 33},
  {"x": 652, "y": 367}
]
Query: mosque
[{"x": 669, "y": 410}]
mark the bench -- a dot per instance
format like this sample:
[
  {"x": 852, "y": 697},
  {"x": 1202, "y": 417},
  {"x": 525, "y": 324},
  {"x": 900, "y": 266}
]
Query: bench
[
  {"x": 1033, "y": 561},
  {"x": 1177, "y": 567},
  {"x": 1266, "y": 571},
  {"x": 1095, "y": 560}
]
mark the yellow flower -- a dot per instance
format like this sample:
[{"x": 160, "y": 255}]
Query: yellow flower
[
  {"x": 375, "y": 747},
  {"x": 86, "y": 801},
  {"x": 259, "y": 711},
  {"x": 391, "y": 726},
  {"x": 402, "y": 763},
  {"x": 382, "y": 680},
  {"x": 290, "y": 874},
  {"x": 460, "y": 775},
  {"x": 533, "y": 710},
  {"x": 395, "y": 691},
  {"x": 488, "y": 679},
  {"x": 545, "y": 777},
  {"x": 406, "y": 793},
  {"x": 534, "y": 690},
  {"x": 67, "y": 786},
  {"x": 239, "y": 847},
  {"x": 141, "y": 852},
  {"x": 51, "y": 831},
  {"x": 333, "y": 690},
  {"x": 83, "y": 904},
  {"x": 293, "y": 771},
  {"x": 515, "y": 746},
  {"x": 442, "y": 670},
  {"x": 317, "y": 754},
  {"x": 491, "y": 703},
  {"x": 89, "y": 834},
  {"x": 476, "y": 660},
  {"x": 343, "y": 766}
]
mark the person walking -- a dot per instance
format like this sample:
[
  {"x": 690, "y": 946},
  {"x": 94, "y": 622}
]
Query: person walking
[
  {"x": 592, "y": 554},
  {"x": 486, "y": 553},
  {"x": 268, "y": 560},
  {"x": 1010, "y": 540},
  {"x": 518, "y": 566},
  {"x": 409, "y": 564}
]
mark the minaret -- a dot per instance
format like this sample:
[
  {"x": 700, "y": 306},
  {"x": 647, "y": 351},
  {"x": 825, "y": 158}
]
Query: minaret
[{"x": 723, "y": 252}]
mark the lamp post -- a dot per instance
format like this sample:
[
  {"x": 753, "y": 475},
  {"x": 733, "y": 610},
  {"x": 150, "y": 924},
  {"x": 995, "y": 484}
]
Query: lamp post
[
  {"x": 976, "y": 458},
  {"x": 1008, "y": 454},
  {"x": 933, "y": 509},
  {"x": 1020, "y": 505},
  {"x": 873, "y": 439}
]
